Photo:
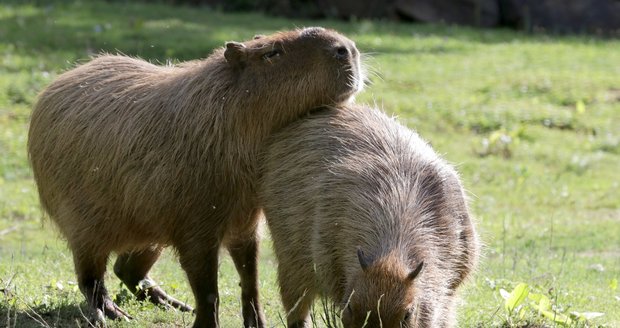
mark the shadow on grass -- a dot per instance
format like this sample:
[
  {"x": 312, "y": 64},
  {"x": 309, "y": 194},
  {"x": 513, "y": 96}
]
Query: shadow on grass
[
  {"x": 156, "y": 32},
  {"x": 159, "y": 32},
  {"x": 44, "y": 316}
]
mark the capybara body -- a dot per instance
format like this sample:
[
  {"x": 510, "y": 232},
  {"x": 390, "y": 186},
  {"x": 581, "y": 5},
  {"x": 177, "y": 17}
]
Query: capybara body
[
  {"x": 363, "y": 211},
  {"x": 130, "y": 157}
]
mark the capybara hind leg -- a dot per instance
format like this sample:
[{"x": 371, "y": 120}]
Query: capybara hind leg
[
  {"x": 90, "y": 269},
  {"x": 200, "y": 262},
  {"x": 132, "y": 269},
  {"x": 244, "y": 254}
]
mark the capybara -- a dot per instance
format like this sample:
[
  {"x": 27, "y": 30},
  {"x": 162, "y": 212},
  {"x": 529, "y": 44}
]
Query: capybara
[
  {"x": 363, "y": 212},
  {"x": 130, "y": 157}
]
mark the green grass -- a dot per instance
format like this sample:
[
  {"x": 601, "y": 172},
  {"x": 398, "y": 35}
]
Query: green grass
[{"x": 532, "y": 122}]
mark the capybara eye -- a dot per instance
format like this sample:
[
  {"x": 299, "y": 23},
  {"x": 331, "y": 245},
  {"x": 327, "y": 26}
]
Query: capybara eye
[
  {"x": 342, "y": 51},
  {"x": 271, "y": 54},
  {"x": 407, "y": 316}
]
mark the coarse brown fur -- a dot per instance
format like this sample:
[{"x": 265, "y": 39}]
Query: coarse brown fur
[
  {"x": 363, "y": 211},
  {"x": 130, "y": 157}
]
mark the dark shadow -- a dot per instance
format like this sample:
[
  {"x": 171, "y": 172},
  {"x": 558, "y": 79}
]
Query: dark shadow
[
  {"x": 60, "y": 313},
  {"x": 150, "y": 31},
  {"x": 44, "y": 316},
  {"x": 78, "y": 29}
]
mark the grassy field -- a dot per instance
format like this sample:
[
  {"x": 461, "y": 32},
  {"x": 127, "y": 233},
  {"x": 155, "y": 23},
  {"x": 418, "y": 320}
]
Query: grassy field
[{"x": 532, "y": 122}]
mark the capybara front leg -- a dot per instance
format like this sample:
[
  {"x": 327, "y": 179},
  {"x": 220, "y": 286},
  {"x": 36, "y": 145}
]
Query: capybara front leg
[
  {"x": 90, "y": 269},
  {"x": 299, "y": 324},
  {"x": 132, "y": 269},
  {"x": 297, "y": 293},
  {"x": 244, "y": 254},
  {"x": 201, "y": 263}
]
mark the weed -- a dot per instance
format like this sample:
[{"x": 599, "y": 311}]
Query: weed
[{"x": 521, "y": 300}]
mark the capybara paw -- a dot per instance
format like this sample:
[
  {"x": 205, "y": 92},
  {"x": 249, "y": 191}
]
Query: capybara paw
[
  {"x": 255, "y": 319},
  {"x": 254, "y": 324},
  {"x": 112, "y": 311},
  {"x": 297, "y": 324},
  {"x": 158, "y": 297}
]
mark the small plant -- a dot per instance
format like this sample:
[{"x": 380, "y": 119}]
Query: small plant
[
  {"x": 522, "y": 301},
  {"x": 501, "y": 142},
  {"x": 513, "y": 300}
]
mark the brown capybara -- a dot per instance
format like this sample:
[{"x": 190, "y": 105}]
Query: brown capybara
[
  {"x": 130, "y": 157},
  {"x": 363, "y": 212}
]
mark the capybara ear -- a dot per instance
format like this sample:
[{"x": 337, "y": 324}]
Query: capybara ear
[
  {"x": 365, "y": 260},
  {"x": 259, "y": 36},
  {"x": 415, "y": 272},
  {"x": 235, "y": 54}
]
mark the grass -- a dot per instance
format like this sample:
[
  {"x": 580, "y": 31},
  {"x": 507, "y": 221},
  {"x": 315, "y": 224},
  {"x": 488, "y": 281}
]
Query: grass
[{"x": 531, "y": 121}]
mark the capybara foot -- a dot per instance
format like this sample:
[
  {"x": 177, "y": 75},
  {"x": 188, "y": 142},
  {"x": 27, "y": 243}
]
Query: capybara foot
[
  {"x": 255, "y": 321},
  {"x": 111, "y": 311},
  {"x": 298, "y": 324},
  {"x": 158, "y": 297}
]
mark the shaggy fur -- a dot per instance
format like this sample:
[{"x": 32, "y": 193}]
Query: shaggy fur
[
  {"x": 356, "y": 203},
  {"x": 129, "y": 157}
]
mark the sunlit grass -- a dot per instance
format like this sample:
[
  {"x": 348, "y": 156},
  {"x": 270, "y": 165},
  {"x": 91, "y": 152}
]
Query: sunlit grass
[{"x": 531, "y": 122}]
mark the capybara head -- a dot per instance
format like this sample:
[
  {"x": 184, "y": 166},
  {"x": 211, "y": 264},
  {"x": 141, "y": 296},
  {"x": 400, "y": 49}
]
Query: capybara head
[
  {"x": 312, "y": 67},
  {"x": 382, "y": 294}
]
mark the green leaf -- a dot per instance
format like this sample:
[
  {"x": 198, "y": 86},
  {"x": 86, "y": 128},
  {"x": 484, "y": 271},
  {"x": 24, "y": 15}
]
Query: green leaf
[
  {"x": 613, "y": 284},
  {"x": 540, "y": 302},
  {"x": 580, "y": 106},
  {"x": 522, "y": 312},
  {"x": 517, "y": 296},
  {"x": 557, "y": 317},
  {"x": 495, "y": 136}
]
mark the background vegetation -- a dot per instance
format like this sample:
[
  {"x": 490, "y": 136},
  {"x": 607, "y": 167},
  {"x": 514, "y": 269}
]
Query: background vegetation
[{"x": 532, "y": 122}]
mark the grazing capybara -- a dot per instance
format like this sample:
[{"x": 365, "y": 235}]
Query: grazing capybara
[
  {"x": 130, "y": 157},
  {"x": 363, "y": 212}
]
